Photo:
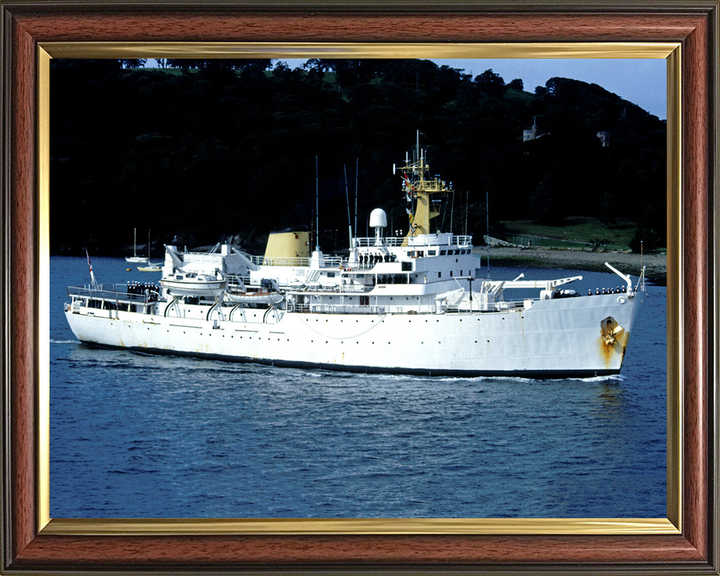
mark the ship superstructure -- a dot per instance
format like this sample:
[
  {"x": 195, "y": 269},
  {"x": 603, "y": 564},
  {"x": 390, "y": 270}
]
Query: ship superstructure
[{"x": 413, "y": 303}]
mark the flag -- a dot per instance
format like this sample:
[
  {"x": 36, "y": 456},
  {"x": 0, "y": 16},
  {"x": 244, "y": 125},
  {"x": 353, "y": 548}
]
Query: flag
[
  {"x": 92, "y": 276},
  {"x": 406, "y": 182}
]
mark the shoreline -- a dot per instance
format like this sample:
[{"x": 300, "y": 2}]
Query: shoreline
[{"x": 626, "y": 262}]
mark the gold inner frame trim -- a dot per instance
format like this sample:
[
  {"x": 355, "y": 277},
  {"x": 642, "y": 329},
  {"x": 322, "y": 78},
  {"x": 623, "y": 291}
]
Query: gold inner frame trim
[
  {"x": 535, "y": 526},
  {"x": 301, "y": 50},
  {"x": 399, "y": 526}
]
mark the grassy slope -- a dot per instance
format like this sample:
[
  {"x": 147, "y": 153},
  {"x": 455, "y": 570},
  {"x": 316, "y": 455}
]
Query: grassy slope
[{"x": 578, "y": 228}]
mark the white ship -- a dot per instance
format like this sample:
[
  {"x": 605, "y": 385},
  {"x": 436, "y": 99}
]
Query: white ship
[{"x": 409, "y": 304}]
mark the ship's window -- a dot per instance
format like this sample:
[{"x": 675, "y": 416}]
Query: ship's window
[
  {"x": 443, "y": 252},
  {"x": 451, "y": 273},
  {"x": 432, "y": 252},
  {"x": 439, "y": 274},
  {"x": 331, "y": 275}
]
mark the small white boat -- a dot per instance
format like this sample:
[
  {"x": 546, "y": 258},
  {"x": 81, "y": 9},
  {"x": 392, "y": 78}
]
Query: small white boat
[
  {"x": 181, "y": 283},
  {"x": 267, "y": 298},
  {"x": 135, "y": 258},
  {"x": 151, "y": 267}
]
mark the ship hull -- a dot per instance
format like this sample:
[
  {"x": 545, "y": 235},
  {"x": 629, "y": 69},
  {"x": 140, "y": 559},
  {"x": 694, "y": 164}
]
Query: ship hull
[{"x": 553, "y": 338}]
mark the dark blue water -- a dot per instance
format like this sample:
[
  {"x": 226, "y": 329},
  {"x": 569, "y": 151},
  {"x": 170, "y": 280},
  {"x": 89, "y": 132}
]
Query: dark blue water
[{"x": 142, "y": 436}]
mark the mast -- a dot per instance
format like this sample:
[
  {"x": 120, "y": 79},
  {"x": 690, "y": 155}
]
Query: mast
[
  {"x": 317, "y": 216},
  {"x": 487, "y": 227},
  {"x": 421, "y": 191},
  {"x": 357, "y": 162},
  {"x": 347, "y": 200}
]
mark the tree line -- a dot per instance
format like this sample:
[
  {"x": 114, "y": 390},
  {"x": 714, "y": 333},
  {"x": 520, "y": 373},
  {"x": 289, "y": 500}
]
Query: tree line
[{"x": 202, "y": 151}]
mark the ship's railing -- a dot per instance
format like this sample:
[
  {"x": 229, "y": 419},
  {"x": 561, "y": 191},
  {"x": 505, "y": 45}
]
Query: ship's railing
[
  {"x": 107, "y": 292},
  {"x": 352, "y": 289},
  {"x": 428, "y": 240},
  {"x": 359, "y": 309},
  {"x": 296, "y": 261},
  {"x": 370, "y": 242}
]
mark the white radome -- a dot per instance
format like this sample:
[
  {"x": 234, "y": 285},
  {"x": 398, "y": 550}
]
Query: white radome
[{"x": 378, "y": 218}]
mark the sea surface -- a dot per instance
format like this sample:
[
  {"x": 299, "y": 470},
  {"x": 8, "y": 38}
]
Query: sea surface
[{"x": 143, "y": 436}]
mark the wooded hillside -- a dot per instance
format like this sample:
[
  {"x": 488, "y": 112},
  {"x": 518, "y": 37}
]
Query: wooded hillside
[{"x": 203, "y": 151}]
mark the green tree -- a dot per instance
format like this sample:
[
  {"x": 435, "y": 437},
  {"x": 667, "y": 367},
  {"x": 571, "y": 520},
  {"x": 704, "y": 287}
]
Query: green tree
[{"x": 546, "y": 204}]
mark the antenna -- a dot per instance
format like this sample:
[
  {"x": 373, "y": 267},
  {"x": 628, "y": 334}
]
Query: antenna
[
  {"x": 452, "y": 213},
  {"x": 357, "y": 163},
  {"x": 347, "y": 199},
  {"x": 487, "y": 224},
  {"x": 317, "y": 216},
  {"x": 467, "y": 207}
]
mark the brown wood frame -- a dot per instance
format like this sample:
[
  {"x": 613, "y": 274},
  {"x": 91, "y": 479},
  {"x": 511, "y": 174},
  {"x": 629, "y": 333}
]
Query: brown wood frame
[{"x": 27, "y": 24}]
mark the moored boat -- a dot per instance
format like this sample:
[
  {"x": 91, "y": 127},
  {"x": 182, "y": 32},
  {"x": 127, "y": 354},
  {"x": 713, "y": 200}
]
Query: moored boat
[
  {"x": 135, "y": 258},
  {"x": 151, "y": 267}
]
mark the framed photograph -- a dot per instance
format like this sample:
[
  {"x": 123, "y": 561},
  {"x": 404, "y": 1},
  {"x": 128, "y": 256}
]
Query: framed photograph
[{"x": 683, "y": 34}]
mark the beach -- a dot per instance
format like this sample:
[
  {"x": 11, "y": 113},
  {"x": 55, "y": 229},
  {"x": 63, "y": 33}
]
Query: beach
[{"x": 627, "y": 262}]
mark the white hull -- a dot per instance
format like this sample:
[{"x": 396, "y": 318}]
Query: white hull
[
  {"x": 412, "y": 304},
  {"x": 152, "y": 268},
  {"x": 554, "y": 338},
  {"x": 136, "y": 259}
]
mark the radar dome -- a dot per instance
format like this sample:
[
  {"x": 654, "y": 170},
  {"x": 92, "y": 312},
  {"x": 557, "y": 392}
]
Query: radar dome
[{"x": 378, "y": 218}]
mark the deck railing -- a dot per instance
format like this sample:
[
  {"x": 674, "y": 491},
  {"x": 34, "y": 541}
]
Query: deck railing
[
  {"x": 427, "y": 240},
  {"x": 111, "y": 292},
  {"x": 296, "y": 261}
]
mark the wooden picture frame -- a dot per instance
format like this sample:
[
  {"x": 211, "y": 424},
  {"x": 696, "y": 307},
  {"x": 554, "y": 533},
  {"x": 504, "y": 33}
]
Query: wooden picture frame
[{"x": 687, "y": 541}]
